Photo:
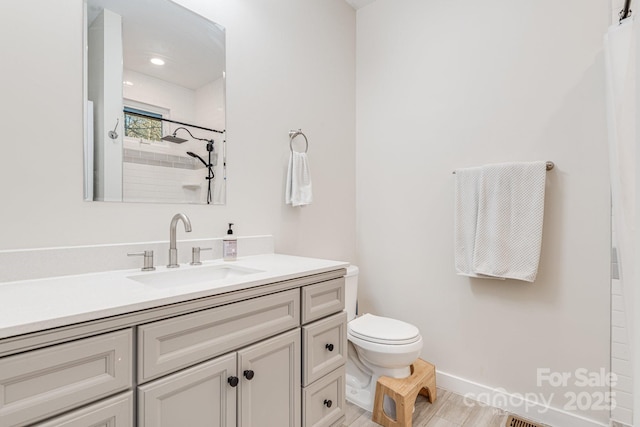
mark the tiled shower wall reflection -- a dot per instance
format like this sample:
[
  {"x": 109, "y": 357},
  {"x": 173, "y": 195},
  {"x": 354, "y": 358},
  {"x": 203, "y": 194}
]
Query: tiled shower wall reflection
[
  {"x": 620, "y": 357},
  {"x": 159, "y": 177}
]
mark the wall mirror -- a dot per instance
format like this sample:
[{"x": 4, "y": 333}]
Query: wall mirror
[{"x": 155, "y": 104}]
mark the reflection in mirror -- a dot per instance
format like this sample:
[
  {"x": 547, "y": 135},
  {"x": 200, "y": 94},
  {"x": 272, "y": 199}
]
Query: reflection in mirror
[{"x": 155, "y": 110}]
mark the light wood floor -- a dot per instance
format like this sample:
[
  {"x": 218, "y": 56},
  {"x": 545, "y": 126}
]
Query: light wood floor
[{"x": 449, "y": 410}]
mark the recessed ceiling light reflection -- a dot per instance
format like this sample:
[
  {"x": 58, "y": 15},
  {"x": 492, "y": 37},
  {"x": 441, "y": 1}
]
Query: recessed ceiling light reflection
[
  {"x": 127, "y": 83},
  {"x": 157, "y": 61}
]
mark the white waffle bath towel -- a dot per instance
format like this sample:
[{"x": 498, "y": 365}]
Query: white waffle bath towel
[
  {"x": 466, "y": 218},
  {"x": 508, "y": 223},
  {"x": 298, "y": 187}
]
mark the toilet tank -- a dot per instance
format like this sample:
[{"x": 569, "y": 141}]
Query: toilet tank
[{"x": 351, "y": 291}]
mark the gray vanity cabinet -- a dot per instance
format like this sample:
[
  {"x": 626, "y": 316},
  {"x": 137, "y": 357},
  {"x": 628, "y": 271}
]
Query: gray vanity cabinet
[{"x": 248, "y": 358}]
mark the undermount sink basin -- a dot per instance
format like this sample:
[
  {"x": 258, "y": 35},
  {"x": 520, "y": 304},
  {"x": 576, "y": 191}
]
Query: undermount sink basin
[{"x": 191, "y": 275}]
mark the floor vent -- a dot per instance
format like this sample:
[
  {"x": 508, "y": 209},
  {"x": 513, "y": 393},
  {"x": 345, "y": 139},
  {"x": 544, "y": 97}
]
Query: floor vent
[{"x": 514, "y": 421}]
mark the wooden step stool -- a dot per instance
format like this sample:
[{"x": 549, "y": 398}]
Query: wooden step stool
[{"x": 404, "y": 392}]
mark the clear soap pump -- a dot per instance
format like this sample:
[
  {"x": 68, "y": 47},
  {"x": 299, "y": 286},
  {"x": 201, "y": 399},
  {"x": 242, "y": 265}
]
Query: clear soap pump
[{"x": 229, "y": 246}]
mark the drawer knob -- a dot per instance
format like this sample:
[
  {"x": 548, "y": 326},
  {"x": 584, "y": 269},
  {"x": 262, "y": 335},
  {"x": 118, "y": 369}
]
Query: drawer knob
[
  {"x": 329, "y": 347},
  {"x": 328, "y": 403},
  {"x": 248, "y": 374},
  {"x": 233, "y": 381}
]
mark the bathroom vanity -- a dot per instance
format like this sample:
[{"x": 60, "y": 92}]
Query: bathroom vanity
[{"x": 261, "y": 344}]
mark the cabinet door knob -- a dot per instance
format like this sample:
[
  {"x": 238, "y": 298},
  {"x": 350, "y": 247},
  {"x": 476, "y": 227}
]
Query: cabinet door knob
[
  {"x": 328, "y": 403},
  {"x": 248, "y": 374},
  {"x": 233, "y": 381},
  {"x": 329, "y": 347}
]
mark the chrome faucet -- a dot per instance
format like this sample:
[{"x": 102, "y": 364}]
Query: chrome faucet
[{"x": 173, "y": 250}]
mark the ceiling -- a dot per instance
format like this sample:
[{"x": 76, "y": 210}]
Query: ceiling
[
  {"x": 191, "y": 46},
  {"x": 358, "y": 4}
]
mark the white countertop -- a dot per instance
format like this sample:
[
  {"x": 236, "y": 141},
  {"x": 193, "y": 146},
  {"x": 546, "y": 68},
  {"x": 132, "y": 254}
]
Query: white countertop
[{"x": 33, "y": 305}]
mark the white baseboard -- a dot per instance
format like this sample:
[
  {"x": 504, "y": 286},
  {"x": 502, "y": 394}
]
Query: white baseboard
[{"x": 513, "y": 403}]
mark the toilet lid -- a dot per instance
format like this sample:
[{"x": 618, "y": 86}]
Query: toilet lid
[{"x": 383, "y": 330}]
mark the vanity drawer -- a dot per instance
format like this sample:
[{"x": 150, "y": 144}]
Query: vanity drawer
[
  {"x": 168, "y": 345},
  {"x": 323, "y": 401},
  {"x": 114, "y": 412},
  {"x": 49, "y": 381},
  {"x": 324, "y": 346},
  {"x": 322, "y": 299}
]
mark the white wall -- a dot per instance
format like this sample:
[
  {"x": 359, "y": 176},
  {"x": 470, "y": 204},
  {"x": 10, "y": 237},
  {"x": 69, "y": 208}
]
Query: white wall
[
  {"x": 179, "y": 101},
  {"x": 442, "y": 85},
  {"x": 284, "y": 71},
  {"x": 210, "y": 104}
]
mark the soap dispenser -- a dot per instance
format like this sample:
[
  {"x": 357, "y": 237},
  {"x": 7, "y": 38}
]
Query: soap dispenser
[{"x": 229, "y": 245}]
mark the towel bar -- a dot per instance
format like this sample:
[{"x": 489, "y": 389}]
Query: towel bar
[{"x": 550, "y": 165}]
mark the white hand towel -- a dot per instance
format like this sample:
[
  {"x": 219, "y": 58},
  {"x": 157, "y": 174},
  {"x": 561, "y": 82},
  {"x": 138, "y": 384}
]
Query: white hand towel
[
  {"x": 466, "y": 216},
  {"x": 510, "y": 215},
  {"x": 298, "y": 191}
]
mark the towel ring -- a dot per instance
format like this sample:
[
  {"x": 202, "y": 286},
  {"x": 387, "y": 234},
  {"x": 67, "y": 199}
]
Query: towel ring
[{"x": 293, "y": 134}]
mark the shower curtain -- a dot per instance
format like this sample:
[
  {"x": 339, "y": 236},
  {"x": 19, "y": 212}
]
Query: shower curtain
[{"x": 622, "y": 107}]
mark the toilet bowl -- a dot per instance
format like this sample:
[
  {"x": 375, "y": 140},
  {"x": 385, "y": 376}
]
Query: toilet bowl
[{"x": 377, "y": 346}]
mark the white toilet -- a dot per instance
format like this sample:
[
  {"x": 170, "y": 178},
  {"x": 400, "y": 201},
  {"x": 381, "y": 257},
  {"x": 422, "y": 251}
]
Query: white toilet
[{"x": 377, "y": 346}]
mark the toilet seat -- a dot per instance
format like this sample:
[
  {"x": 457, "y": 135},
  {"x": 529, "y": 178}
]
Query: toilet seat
[{"x": 383, "y": 330}]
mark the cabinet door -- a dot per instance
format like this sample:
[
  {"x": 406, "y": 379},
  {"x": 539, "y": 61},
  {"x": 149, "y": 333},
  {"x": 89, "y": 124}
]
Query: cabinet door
[
  {"x": 270, "y": 382},
  {"x": 196, "y": 397}
]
